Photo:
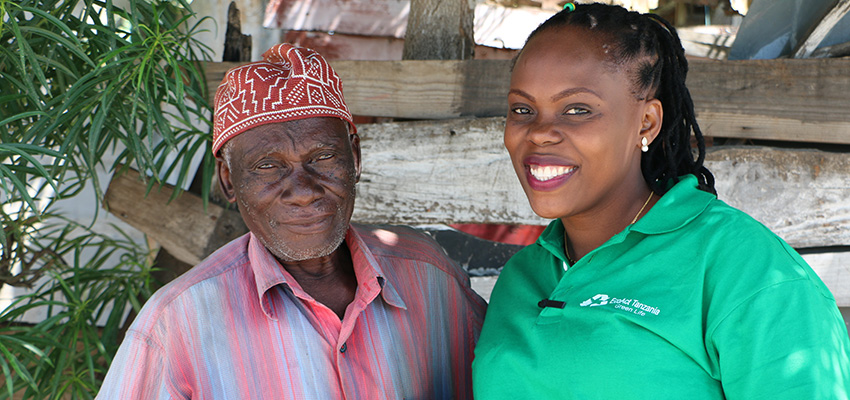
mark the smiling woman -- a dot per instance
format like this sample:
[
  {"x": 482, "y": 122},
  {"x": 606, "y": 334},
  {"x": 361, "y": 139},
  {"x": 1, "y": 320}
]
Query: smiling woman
[
  {"x": 642, "y": 265},
  {"x": 574, "y": 133}
]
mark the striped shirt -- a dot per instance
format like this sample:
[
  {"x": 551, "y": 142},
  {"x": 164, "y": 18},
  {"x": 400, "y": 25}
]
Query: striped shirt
[{"x": 238, "y": 326}]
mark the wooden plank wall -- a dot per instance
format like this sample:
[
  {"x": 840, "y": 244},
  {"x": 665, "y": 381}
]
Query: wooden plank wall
[
  {"x": 427, "y": 172},
  {"x": 451, "y": 166},
  {"x": 793, "y": 100}
]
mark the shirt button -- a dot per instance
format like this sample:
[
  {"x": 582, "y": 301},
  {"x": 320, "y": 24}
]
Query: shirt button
[{"x": 343, "y": 348}]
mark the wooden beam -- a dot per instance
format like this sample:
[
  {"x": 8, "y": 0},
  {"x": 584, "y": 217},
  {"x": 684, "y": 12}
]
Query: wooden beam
[
  {"x": 416, "y": 89},
  {"x": 792, "y": 100},
  {"x": 819, "y": 33},
  {"x": 237, "y": 47},
  {"x": 833, "y": 268},
  {"x": 801, "y": 195},
  {"x": 457, "y": 171},
  {"x": 180, "y": 226}
]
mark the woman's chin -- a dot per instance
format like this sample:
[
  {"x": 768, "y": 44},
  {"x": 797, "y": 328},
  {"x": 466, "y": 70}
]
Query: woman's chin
[{"x": 546, "y": 212}]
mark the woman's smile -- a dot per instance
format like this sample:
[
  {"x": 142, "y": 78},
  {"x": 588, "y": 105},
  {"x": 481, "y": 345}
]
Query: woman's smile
[{"x": 545, "y": 174}]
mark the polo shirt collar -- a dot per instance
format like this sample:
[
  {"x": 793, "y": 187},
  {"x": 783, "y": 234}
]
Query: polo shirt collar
[
  {"x": 683, "y": 202},
  {"x": 268, "y": 273},
  {"x": 680, "y": 205}
]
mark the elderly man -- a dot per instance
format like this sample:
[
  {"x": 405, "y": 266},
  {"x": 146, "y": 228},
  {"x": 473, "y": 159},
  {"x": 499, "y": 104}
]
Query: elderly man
[{"x": 306, "y": 305}]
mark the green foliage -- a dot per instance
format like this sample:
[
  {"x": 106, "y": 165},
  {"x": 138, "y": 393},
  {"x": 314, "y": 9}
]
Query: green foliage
[
  {"x": 73, "y": 87},
  {"x": 81, "y": 80},
  {"x": 84, "y": 302}
]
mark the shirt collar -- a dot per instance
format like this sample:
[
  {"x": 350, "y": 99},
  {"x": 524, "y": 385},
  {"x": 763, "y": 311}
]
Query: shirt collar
[
  {"x": 680, "y": 205},
  {"x": 367, "y": 267},
  {"x": 268, "y": 273}
]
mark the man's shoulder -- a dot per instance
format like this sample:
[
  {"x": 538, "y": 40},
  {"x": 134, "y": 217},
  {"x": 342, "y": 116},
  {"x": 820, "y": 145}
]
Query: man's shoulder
[
  {"x": 208, "y": 275},
  {"x": 399, "y": 241}
]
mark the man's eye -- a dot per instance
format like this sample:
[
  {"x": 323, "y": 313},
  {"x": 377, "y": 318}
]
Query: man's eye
[
  {"x": 521, "y": 110},
  {"x": 265, "y": 165},
  {"x": 576, "y": 111},
  {"x": 324, "y": 157}
]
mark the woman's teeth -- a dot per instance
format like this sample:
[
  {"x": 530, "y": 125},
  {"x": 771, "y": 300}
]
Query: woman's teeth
[{"x": 545, "y": 173}]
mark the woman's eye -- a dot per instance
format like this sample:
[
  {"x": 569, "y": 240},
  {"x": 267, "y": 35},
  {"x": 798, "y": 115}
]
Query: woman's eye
[
  {"x": 520, "y": 110},
  {"x": 576, "y": 111}
]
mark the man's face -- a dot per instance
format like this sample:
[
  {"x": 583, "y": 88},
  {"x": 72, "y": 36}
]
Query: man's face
[{"x": 294, "y": 183}]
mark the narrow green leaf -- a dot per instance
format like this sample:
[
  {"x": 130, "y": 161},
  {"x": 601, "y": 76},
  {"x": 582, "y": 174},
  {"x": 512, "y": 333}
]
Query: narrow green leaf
[
  {"x": 19, "y": 186},
  {"x": 69, "y": 45},
  {"x": 23, "y": 115},
  {"x": 26, "y": 53},
  {"x": 73, "y": 44},
  {"x": 19, "y": 367}
]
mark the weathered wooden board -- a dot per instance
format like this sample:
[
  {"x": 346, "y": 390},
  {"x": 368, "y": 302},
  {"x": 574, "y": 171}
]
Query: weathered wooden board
[
  {"x": 181, "y": 226},
  {"x": 416, "y": 89},
  {"x": 457, "y": 171},
  {"x": 834, "y": 270},
  {"x": 796, "y": 100},
  {"x": 793, "y": 100},
  {"x": 802, "y": 195},
  {"x": 427, "y": 172},
  {"x": 711, "y": 42}
]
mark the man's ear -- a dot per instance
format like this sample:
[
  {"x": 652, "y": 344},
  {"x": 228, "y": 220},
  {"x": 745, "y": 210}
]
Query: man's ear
[
  {"x": 355, "y": 149},
  {"x": 224, "y": 181},
  {"x": 653, "y": 115}
]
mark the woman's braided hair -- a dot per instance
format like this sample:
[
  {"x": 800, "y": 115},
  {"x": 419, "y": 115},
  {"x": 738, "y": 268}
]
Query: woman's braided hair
[{"x": 651, "y": 47}]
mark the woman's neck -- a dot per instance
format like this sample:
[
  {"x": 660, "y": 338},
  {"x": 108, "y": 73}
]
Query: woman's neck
[{"x": 586, "y": 232}]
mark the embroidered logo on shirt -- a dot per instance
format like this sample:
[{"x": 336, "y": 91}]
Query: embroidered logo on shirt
[
  {"x": 629, "y": 305},
  {"x": 592, "y": 302}
]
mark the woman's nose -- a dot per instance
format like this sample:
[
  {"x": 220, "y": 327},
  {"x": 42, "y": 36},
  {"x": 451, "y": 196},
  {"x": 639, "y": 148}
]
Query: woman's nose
[{"x": 544, "y": 133}]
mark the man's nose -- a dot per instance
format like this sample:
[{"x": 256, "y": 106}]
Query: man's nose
[{"x": 302, "y": 187}]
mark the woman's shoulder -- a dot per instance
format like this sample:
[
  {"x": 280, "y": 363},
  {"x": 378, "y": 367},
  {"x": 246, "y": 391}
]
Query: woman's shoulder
[
  {"x": 741, "y": 249},
  {"x": 723, "y": 218}
]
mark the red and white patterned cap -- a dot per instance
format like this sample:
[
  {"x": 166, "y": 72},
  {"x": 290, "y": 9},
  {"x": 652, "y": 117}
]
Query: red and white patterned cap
[{"x": 290, "y": 83}]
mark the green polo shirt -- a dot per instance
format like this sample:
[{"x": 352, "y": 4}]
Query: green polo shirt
[{"x": 696, "y": 300}]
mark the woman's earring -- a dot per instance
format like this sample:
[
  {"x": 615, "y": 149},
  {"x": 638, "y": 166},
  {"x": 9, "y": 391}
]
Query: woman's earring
[{"x": 644, "y": 144}]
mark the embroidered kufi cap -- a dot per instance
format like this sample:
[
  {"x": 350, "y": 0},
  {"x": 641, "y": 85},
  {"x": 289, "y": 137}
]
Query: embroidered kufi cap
[{"x": 290, "y": 83}]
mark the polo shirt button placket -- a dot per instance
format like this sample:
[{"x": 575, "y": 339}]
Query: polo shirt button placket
[{"x": 343, "y": 348}]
